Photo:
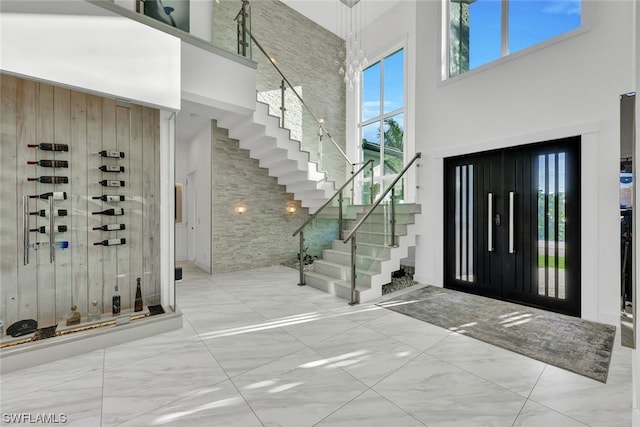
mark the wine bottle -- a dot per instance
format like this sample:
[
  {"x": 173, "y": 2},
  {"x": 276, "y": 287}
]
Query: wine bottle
[
  {"x": 111, "y": 168},
  {"x": 50, "y": 163},
  {"x": 47, "y": 179},
  {"x": 111, "y": 183},
  {"x": 111, "y": 242},
  {"x": 110, "y": 212},
  {"x": 43, "y": 212},
  {"x": 112, "y": 154},
  {"x": 138, "y": 301},
  {"x": 110, "y": 227},
  {"x": 45, "y": 146},
  {"x": 94, "y": 311},
  {"x": 45, "y": 229},
  {"x": 115, "y": 302},
  {"x": 57, "y": 195},
  {"x": 106, "y": 198}
]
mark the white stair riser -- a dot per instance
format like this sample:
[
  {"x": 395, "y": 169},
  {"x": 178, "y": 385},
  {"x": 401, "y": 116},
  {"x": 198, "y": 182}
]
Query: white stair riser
[
  {"x": 341, "y": 272},
  {"x": 329, "y": 287}
]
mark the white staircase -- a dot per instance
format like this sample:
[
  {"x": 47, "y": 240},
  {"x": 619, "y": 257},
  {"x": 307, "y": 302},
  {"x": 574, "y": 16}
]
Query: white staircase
[
  {"x": 376, "y": 259},
  {"x": 272, "y": 146}
]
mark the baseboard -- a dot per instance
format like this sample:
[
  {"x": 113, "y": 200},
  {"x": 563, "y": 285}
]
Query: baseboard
[{"x": 61, "y": 347}]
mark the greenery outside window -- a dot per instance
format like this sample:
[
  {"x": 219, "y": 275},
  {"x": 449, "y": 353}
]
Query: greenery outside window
[
  {"x": 382, "y": 122},
  {"x": 482, "y": 31}
]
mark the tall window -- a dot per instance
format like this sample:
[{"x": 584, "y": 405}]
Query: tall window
[
  {"x": 382, "y": 122},
  {"x": 481, "y": 31}
]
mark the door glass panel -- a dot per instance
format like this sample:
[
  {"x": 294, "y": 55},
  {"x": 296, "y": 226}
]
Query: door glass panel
[
  {"x": 562, "y": 211},
  {"x": 463, "y": 231},
  {"x": 551, "y": 225}
]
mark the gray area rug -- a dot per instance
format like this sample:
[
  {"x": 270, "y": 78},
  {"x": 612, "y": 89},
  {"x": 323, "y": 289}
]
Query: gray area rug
[{"x": 567, "y": 342}]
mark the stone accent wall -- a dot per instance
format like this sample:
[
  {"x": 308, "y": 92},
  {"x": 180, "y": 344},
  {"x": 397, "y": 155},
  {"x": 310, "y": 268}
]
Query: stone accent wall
[
  {"x": 263, "y": 235},
  {"x": 306, "y": 54}
]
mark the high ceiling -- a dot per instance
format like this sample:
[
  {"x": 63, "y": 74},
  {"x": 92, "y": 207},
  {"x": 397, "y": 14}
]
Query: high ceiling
[{"x": 328, "y": 13}]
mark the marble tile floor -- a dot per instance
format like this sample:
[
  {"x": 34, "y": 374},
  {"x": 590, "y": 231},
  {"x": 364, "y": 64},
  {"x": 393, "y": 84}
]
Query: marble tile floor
[{"x": 257, "y": 350}]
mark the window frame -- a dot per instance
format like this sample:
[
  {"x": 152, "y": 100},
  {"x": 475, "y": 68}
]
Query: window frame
[
  {"x": 585, "y": 26},
  {"x": 382, "y": 116}
]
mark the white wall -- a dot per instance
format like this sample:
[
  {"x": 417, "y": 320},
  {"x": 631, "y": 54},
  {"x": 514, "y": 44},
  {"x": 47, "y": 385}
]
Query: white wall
[
  {"x": 182, "y": 166},
  {"x": 102, "y": 54},
  {"x": 570, "y": 87},
  {"x": 566, "y": 88},
  {"x": 199, "y": 159}
]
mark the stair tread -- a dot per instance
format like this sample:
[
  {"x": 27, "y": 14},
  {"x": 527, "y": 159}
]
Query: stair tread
[{"x": 357, "y": 255}]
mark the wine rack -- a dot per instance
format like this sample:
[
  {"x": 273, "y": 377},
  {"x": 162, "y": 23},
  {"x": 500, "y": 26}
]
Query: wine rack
[{"x": 86, "y": 218}]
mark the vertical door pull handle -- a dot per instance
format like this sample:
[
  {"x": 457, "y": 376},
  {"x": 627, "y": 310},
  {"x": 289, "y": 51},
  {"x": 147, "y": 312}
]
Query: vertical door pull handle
[
  {"x": 512, "y": 243},
  {"x": 490, "y": 222}
]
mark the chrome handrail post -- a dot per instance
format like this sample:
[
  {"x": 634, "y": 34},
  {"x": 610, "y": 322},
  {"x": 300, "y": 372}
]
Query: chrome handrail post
[
  {"x": 301, "y": 256},
  {"x": 371, "y": 188},
  {"x": 242, "y": 18},
  {"x": 340, "y": 216},
  {"x": 393, "y": 217},
  {"x": 353, "y": 271},
  {"x": 283, "y": 106}
]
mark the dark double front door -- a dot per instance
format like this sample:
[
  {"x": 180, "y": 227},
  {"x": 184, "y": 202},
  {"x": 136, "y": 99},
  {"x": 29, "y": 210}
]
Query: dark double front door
[{"x": 512, "y": 224}]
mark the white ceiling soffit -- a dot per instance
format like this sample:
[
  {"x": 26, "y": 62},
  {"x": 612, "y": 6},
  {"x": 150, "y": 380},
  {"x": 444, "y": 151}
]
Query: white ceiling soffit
[{"x": 327, "y": 12}]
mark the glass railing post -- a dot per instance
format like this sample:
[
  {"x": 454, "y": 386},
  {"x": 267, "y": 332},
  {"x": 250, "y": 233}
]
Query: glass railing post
[
  {"x": 301, "y": 259},
  {"x": 340, "y": 216},
  {"x": 243, "y": 22},
  {"x": 353, "y": 271},
  {"x": 283, "y": 108},
  {"x": 371, "y": 194},
  {"x": 353, "y": 185},
  {"x": 393, "y": 217}
]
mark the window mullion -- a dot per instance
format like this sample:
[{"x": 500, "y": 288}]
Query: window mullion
[
  {"x": 381, "y": 118},
  {"x": 504, "y": 35}
]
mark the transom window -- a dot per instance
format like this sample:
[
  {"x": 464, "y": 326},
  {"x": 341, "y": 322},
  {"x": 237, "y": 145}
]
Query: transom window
[
  {"x": 482, "y": 31},
  {"x": 382, "y": 122}
]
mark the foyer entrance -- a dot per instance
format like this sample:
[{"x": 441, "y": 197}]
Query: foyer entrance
[{"x": 512, "y": 224}]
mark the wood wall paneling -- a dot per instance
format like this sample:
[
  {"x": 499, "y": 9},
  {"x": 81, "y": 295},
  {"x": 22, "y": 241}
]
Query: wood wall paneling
[
  {"x": 78, "y": 193},
  {"x": 9, "y": 236},
  {"x": 96, "y": 286},
  {"x": 46, "y": 271},
  {"x": 62, "y": 266},
  {"x": 26, "y": 112},
  {"x": 134, "y": 195},
  {"x": 34, "y": 113},
  {"x": 123, "y": 126}
]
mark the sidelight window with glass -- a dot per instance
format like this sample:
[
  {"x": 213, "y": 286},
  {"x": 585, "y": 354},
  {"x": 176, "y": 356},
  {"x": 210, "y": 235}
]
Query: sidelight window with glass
[{"x": 382, "y": 124}]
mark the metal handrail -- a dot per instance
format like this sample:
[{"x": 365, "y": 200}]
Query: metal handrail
[
  {"x": 315, "y": 214},
  {"x": 342, "y": 153},
  {"x": 351, "y": 236},
  {"x": 382, "y": 196}
]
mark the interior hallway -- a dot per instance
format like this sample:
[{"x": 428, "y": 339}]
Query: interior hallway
[{"x": 257, "y": 350}]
